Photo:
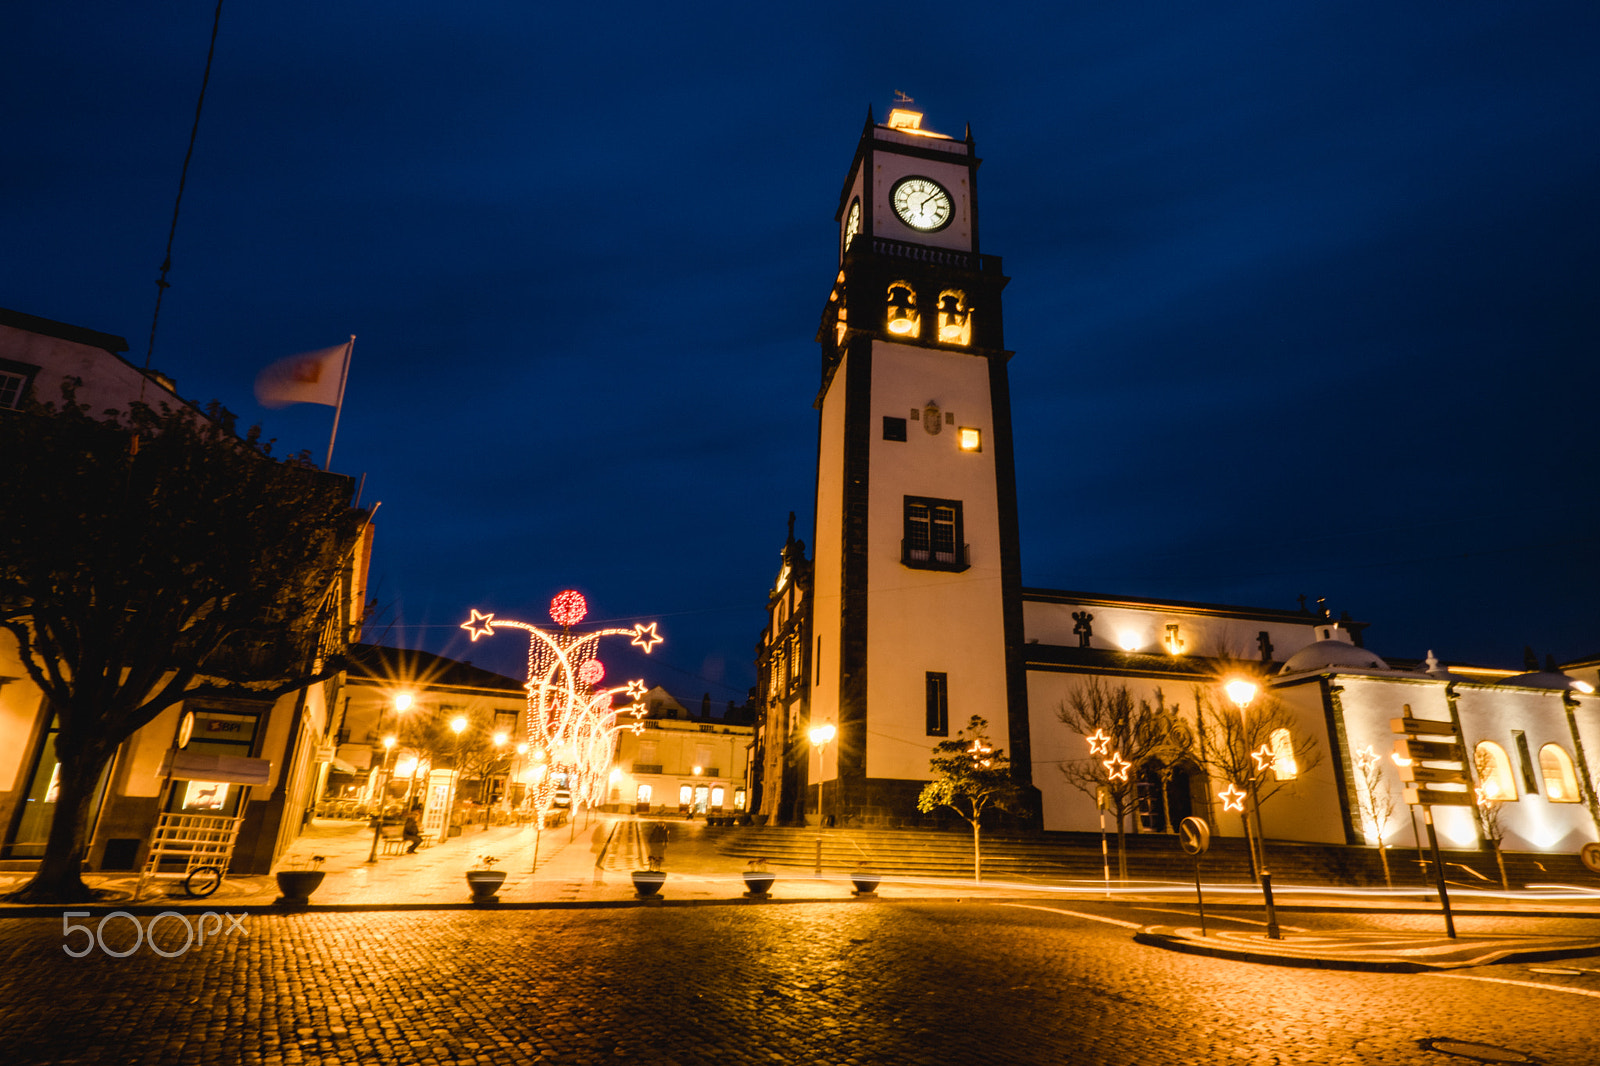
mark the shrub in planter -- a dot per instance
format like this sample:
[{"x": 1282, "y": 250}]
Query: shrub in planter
[
  {"x": 758, "y": 880},
  {"x": 296, "y": 884},
  {"x": 864, "y": 880},
  {"x": 485, "y": 881},
  {"x": 648, "y": 882}
]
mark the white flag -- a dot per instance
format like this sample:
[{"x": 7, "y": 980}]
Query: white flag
[{"x": 311, "y": 377}]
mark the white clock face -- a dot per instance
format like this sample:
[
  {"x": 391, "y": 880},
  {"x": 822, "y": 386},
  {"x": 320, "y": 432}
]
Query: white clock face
[
  {"x": 852, "y": 225},
  {"x": 921, "y": 203}
]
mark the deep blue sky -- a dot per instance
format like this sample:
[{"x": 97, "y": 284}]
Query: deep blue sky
[{"x": 1304, "y": 298}]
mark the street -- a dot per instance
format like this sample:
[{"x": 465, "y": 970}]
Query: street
[{"x": 847, "y": 982}]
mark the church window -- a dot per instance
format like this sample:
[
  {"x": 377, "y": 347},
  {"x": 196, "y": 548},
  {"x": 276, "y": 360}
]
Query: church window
[
  {"x": 955, "y": 318},
  {"x": 894, "y": 428},
  {"x": 1494, "y": 772},
  {"x": 933, "y": 535},
  {"x": 938, "y": 704},
  {"x": 1560, "y": 782},
  {"x": 903, "y": 319},
  {"x": 1284, "y": 768},
  {"x": 794, "y": 659}
]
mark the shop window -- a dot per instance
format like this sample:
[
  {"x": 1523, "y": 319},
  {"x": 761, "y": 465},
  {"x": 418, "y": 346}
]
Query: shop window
[
  {"x": 215, "y": 733},
  {"x": 1560, "y": 781},
  {"x": 1494, "y": 772},
  {"x": 31, "y": 829}
]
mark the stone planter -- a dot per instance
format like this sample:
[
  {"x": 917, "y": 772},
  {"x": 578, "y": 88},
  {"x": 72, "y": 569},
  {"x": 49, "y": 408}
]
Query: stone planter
[
  {"x": 485, "y": 885},
  {"x": 648, "y": 882},
  {"x": 865, "y": 882},
  {"x": 296, "y": 886},
  {"x": 758, "y": 885}
]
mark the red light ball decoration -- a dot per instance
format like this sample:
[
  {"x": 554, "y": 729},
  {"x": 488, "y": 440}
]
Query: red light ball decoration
[
  {"x": 591, "y": 672},
  {"x": 568, "y": 608}
]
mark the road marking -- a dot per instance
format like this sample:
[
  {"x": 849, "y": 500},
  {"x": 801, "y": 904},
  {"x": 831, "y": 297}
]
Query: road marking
[
  {"x": 1223, "y": 918},
  {"x": 1077, "y": 914},
  {"x": 1523, "y": 984}
]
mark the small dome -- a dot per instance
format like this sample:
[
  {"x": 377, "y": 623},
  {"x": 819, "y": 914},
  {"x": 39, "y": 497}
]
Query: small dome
[
  {"x": 1335, "y": 653},
  {"x": 1546, "y": 679}
]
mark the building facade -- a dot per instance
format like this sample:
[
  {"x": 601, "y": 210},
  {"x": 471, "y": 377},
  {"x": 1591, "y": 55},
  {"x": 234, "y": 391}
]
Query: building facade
[
  {"x": 918, "y": 621},
  {"x": 292, "y": 732},
  {"x": 680, "y": 763}
]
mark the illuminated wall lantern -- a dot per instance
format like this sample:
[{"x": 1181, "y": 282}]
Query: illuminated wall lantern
[
  {"x": 903, "y": 320},
  {"x": 971, "y": 439},
  {"x": 1128, "y": 641}
]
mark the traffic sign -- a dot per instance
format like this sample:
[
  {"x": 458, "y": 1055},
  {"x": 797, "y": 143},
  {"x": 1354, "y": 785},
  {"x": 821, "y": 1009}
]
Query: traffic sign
[
  {"x": 1590, "y": 854},
  {"x": 1194, "y": 836},
  {"x": 1427, "y": 750},
  {"x": 1434, "y": 797},
  {"x": 1432, "y": 775},
  {"x": 1421, "y": 727}
]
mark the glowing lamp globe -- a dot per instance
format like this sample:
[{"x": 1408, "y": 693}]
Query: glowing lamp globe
[
  {"x": 568, "y": 608},
  {"x": 1240, "y": 691}
]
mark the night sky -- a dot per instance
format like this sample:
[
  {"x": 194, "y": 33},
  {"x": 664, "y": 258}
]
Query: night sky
[{"x": 1306, "y": 296}]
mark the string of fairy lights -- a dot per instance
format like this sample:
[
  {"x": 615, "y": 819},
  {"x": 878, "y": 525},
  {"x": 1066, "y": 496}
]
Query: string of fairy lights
[{"x": 570, "y": 719}]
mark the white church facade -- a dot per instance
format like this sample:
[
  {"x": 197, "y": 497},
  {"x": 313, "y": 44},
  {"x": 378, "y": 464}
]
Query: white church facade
[{"x": 907, "y": 615}]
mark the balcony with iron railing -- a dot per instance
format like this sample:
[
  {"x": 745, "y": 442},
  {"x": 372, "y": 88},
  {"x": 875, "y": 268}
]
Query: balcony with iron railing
[
  {"x": 950, "y": 257},
  {"x": 924, "y": 557}
]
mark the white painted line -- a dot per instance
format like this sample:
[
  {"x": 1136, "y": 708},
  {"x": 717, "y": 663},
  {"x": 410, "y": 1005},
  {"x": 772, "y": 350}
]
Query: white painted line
[
  {"x": 1522, "y": 984},
  {"x": 1077, "y": 914}
]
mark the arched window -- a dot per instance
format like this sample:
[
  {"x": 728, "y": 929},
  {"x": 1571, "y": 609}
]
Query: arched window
[
  {"x": 1494, "y": 772},
  {"x": 903, "y": 320},
  {"x": 1560, "y": 782},
  {"x": 1284, "y": 768},
  {"x": 955, "y": 317}
]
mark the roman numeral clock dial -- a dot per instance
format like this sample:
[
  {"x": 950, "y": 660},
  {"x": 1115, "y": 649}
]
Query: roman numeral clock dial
[{"x": 921, "y": 203}]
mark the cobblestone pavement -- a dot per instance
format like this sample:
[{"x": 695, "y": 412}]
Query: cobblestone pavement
[{"x": 851, "y": 983}]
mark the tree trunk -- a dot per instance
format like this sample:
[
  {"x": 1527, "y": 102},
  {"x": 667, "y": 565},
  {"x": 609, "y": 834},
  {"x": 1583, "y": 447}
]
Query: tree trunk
[
  {"x": 1505, "y": 886},
  {"x": 1122, "y": 843},
  {"x": 977, "y": 863},
  {"x": 1383, "y": 855},
  {"x": 59, "y": 878}
]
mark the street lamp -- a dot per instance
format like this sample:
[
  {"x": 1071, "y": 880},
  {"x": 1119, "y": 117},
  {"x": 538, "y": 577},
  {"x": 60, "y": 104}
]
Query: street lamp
[
  {"x": 458, "y": 724},
  {"x": 820, "y": 736},
  {"x": 483, "y": 785},
  {"x": 1243, "y": 692},
  {"x": 402, "y": 704}
]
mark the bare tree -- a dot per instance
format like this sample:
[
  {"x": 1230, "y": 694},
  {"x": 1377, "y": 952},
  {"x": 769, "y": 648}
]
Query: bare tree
[
  {"x": 1123, "y": 734},
  {"x": 972, "y": 777},
  {"x": 1255, "y": 749},
  {"x": 1488, "y": 809},
  {"x": 1375, "y": 801}
]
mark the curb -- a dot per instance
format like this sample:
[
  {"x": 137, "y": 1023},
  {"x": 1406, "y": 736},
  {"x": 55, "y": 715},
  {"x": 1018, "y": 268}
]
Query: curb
[{"x": 1151, "y": 936}]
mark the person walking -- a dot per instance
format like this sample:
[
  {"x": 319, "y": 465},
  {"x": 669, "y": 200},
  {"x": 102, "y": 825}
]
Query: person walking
[{"x": 656, "y": 844}]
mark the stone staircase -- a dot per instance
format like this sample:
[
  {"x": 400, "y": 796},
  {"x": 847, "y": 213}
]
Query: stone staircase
[{"x": 1061, "y": 857}]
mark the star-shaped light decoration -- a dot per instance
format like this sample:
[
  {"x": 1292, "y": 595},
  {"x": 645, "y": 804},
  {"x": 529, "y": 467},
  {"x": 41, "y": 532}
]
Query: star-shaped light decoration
[
  {"x": 1232, "y": 798},
  {"x": 1117, "y": 767},
  {"x": 644, "y": 636},
  {"x": 1365, "y": 758},
  {"x": 1099, "y": 744},
  {"x": 1263, "y": 758},
  {"x": 979, "y": 749},
  {"x": 636, "y": 690},
  {"x": 479, "y": 625}
]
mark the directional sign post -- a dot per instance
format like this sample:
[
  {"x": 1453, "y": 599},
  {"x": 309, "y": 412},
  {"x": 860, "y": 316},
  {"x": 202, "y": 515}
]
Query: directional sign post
[
  {"x": 1433, "y": 786},
  {"x": 1194, "y": 836}
]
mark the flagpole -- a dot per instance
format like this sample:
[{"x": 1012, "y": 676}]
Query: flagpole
[{"x": 344, "y": 375}]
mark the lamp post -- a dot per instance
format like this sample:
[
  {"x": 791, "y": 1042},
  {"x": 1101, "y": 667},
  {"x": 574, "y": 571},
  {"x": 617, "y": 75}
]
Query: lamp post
[
  {"x": 516, "y": 778},
  {"x": 483, "y": 785},
  {"x": 402, "y": 704},
  {"x": 1243, "y": 693},
  {"x": 458, "y": 725},
  {"x": 820, "y": 736}
]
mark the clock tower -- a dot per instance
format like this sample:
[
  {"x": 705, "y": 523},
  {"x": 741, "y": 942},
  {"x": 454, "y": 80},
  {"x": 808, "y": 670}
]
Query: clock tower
[{"x": 917, "y": 610}]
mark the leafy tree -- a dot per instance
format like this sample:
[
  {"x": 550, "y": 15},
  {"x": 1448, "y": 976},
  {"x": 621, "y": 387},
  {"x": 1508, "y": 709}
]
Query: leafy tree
[
  {"x": 972, "y": 776},
  {"x": 149, "y": 557},
  {"x": 1136, "y": 732},
  {"x": 1258, "y": 749}
]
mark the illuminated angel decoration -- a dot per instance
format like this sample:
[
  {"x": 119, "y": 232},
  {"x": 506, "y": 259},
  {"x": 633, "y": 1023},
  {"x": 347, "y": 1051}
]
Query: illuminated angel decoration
[{"x": 569, "y": 717}]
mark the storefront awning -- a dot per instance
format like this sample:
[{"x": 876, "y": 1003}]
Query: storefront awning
[{"x": 232, "y": 769}]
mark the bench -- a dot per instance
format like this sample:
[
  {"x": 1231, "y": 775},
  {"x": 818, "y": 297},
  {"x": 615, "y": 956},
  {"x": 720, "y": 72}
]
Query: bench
[{"x": 391, "y": 839}]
